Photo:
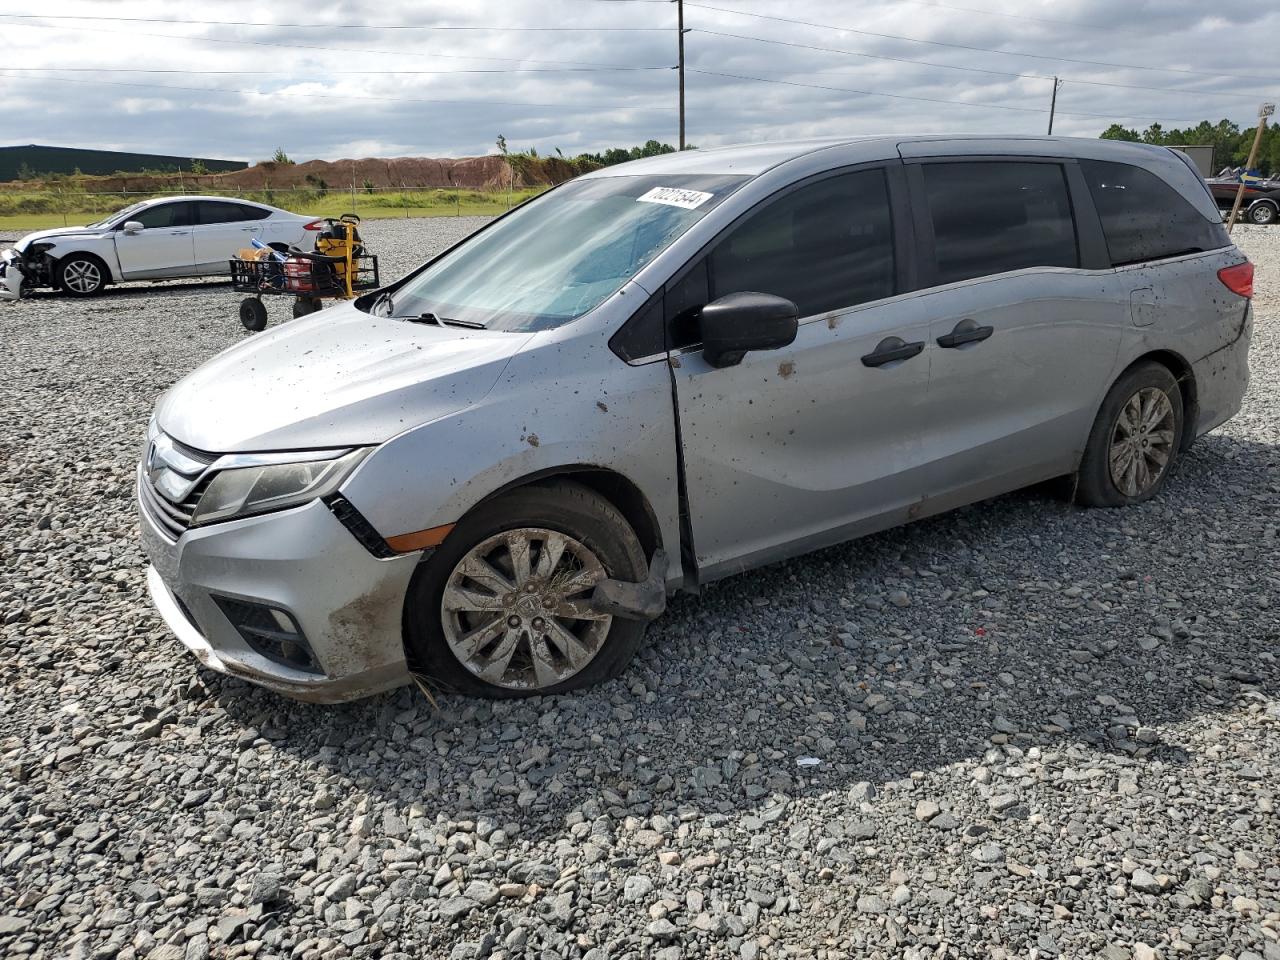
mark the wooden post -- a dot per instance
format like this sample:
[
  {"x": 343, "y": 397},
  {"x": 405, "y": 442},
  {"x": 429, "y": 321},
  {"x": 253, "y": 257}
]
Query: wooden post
[{"x": 1266, "y": 110}]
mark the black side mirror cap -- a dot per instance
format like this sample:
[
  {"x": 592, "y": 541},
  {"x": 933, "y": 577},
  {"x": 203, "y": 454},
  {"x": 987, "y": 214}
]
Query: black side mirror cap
[{"x": 739, "y": 322}]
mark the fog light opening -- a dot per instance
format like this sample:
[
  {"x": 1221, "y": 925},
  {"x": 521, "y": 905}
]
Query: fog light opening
[{"x": 270, "y": 632}]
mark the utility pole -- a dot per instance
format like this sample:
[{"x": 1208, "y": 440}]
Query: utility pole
[
  {"x": 1264, "y": 111},
  {"x": 680, "y": 32},
  {"x": 1053, "y": 103}
]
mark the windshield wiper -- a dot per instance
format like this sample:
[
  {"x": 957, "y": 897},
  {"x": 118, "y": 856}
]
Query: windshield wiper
[{"x": 443, "y": 321}]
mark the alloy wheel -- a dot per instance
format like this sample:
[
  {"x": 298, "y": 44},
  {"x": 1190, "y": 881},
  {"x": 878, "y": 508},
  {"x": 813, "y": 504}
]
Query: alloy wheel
[
  {"x": 81, "y": 276},
  {"x": 1142, "y": 442},
  {"x": 516, "y": 610}
]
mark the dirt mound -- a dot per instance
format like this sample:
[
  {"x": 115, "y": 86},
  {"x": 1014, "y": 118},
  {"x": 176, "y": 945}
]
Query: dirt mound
[{"x": 469, "y": 173}]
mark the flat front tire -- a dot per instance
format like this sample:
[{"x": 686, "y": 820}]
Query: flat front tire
[
  {"x": 501, "y": 608},
  {"x": 1135, "y": 439}
]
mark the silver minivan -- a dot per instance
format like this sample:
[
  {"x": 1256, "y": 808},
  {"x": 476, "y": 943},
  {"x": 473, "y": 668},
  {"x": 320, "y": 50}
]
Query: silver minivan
[{"x": 492, "y": 473}]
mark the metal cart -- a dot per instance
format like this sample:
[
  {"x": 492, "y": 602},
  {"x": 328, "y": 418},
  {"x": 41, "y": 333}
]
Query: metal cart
[{"x": 339, "y": 269}]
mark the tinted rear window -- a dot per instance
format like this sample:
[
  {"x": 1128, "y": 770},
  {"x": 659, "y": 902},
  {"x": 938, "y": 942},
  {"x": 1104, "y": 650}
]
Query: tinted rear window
[
  {"x": 995, "y": 216},
  {"x": 1143, "y": 217}
]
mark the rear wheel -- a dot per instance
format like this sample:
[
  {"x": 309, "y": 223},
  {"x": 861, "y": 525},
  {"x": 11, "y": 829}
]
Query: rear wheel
[
  {"x": 502, "y": 608},
  {"x": 1262, "y": 214},
  {"x": 253, "y": 314},
  {"x": 82, "y": 275},
  {"x": 302, "y": 306},
  {"x": 1135, "y": 440}
]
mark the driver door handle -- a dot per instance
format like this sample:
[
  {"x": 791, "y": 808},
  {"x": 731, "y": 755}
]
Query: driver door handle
[
  {"x": 890, "y": 349},
  {"x": 966, "y": 331}
]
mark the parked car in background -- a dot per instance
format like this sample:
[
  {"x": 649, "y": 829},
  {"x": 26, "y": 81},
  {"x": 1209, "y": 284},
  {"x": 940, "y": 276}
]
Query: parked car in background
[
  {"x": 1261, "y": 203},
  {"x": 493, "y": 471},
  {"x": 149, "y": 240}
]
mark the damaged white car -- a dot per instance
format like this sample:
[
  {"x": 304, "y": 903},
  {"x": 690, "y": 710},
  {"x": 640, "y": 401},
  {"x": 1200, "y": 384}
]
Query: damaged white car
[{"x": 162, "y": 239}]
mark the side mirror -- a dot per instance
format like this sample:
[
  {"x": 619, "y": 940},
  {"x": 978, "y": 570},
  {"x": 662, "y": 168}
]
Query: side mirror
[
  {"x": 132, "y": 226},
  {"x": 739, "y": 322}
]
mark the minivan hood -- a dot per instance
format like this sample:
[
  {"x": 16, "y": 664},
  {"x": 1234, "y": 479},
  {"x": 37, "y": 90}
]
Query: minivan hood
[
  {"x": 61, "y": 233},
  {"x": 335, "y": 379}
]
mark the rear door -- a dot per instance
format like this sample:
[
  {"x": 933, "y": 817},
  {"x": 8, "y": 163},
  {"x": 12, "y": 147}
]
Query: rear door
[
  {"x": 222, "y": 229},
  {"x": 163, "y": 248},
  {"x": 811, "y": 444},
  {"x": 1025, "y": 320}
]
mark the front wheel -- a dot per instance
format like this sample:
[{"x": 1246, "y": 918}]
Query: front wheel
[
  {"x": 81, "y": 275},
  {"x": 253, "y": 314},
  {"x": 502, "y": 608},
  {"x": 1135, "y": 440}
]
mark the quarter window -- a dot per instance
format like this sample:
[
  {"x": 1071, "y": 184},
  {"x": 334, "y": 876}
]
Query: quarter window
[
  {"x": 1143, "y": 218},
  {"x": 165, "y": 215},
  {"x": 824, "y": 246},
  {"x": 991, "y": 217}
]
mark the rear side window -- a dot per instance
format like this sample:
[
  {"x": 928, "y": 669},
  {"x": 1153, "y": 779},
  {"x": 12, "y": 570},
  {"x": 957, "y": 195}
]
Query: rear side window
[
  {"x": 165, "y": 215},
  {"x": 995, "y": 216},
  {"x": 212, "y": 211},
  {"x": 1143, "y": 218},
  {"x": 248, "y": 212},
  {"x": 823, "y": 246}
]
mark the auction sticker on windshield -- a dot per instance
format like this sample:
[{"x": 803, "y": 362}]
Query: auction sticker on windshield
[{"x": 675, "y": 197}]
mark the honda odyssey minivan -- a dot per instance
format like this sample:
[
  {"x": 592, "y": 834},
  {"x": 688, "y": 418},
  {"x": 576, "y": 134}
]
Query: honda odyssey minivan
[{"x": 493, "y": 472}]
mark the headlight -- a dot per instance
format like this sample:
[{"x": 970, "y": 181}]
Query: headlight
[{"x": 243, "y": 491}]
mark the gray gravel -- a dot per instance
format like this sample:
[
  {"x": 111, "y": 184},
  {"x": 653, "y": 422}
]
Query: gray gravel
[{"x": 1042, "y": 731}]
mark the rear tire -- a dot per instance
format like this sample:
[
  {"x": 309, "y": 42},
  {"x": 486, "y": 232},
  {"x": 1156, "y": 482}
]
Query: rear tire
[
  {"x": 1262, "y": 214},
  {"x": 1135, "y": 440},
  {"x": 253, "y": 314},
  {"x": 304, "y": 306},
  {"x": 82, "y": 275},
  {"x": 520, "y": 642}
]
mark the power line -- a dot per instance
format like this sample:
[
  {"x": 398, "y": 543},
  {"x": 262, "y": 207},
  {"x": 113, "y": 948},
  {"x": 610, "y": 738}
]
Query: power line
[
  {"x": 962, "y": 46},
  {"x": 307, "y": 95},
  {"x": 1007, "y": 16},
  {"x": 903, "y": 96},
  {"x": 307, "y": 46},
  {"x": 328, "y": 26},
  {"x": 330, "y": 73},
  {"x": 966, "y": 69}
]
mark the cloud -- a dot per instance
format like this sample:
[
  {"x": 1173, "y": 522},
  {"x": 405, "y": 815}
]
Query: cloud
[{"x": 451, "y": 92}]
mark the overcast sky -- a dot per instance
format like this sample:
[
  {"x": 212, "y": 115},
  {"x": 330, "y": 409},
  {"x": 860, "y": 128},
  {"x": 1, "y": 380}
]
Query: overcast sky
[{"x": 239, "y": 91}]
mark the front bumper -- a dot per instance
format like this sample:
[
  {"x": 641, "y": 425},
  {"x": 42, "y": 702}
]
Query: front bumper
[
  {"x": 347, "y": 603},
  {"x": 12, "y": 275}
]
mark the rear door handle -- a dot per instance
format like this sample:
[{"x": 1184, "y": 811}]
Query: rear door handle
[
  {"x": 890, "y": 349},
  {"x": 966, "y": 331}
]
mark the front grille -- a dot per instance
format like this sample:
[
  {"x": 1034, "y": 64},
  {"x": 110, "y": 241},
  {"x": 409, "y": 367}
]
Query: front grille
[{"x": 174, "y": 517}]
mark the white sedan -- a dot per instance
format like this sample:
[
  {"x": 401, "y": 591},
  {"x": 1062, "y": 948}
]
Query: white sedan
[{"x": 151, "y": 240}]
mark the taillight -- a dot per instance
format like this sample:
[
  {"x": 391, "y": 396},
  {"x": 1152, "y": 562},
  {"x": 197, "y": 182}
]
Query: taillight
[
  {"x": 314, "y": 225},
  {"x": 1238, "y": 279}
]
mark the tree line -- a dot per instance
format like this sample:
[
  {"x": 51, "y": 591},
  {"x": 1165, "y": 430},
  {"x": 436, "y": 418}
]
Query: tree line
[{"x": 1230, "y": 142}]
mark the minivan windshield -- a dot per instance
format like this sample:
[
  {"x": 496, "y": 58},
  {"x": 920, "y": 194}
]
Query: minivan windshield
[{"x": 561, "y": 254}]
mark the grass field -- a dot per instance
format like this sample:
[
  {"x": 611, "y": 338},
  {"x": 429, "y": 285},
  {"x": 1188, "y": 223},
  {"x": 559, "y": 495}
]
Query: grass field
[{"x": 23, "y": 212}]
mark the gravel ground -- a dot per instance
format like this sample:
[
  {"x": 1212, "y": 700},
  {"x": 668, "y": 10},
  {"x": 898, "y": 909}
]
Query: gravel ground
[{"x": 1042, "y": 731}]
